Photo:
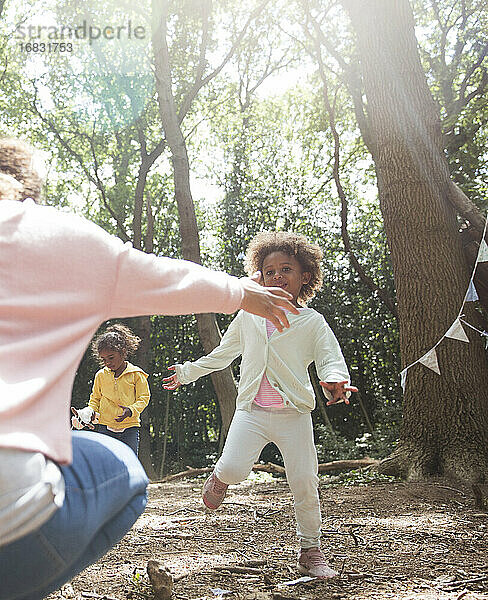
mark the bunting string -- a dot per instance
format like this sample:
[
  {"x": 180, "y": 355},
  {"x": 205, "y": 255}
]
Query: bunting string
[{"x": 456, "y": 330}]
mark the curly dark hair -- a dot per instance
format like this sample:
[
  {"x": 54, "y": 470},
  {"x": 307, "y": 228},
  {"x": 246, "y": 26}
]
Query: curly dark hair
[
  {"x": 16, "y": 161},
  {"x": 118, "y": 338},
  {"x": 294, "y": 244}
]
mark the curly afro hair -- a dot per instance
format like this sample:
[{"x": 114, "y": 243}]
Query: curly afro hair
[
  {"x": 118, "y": 338},
  {"x": 16, "y": 162},
  {"x": 294, "y": 244}
]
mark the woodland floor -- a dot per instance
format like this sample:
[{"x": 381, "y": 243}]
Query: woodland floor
[{"x": 387, "y": 539}]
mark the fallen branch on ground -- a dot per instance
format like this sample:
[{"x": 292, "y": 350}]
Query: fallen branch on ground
[{"x": 335, "y": 465}]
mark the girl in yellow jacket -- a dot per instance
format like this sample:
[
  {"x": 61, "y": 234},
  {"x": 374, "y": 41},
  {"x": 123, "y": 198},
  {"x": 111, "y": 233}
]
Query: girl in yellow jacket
[{"x": 120, "y": 390}]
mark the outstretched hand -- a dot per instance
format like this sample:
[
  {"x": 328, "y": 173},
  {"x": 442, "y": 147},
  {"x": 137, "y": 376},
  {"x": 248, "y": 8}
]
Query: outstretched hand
[
  {"x": 171, "y": 383},
  {"x": 338, "y": 391},
  {"x": 267, "y": 302}
]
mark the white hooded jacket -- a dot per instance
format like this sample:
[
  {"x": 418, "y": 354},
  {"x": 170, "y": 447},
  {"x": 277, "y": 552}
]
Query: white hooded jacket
[{"x": 285, "y": 358}]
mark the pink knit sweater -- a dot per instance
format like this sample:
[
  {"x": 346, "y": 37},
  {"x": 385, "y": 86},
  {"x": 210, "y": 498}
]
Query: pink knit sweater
[{"x": 61, "y": 276}]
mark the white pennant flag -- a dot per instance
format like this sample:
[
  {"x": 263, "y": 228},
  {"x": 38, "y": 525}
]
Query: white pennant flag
[
  {"x": 472, "y": 294},
  {"x": 456, "y": 332},
  {"x": 483, "y": 252},
  {"x": 430, "y": 360},
  {"x": 403, "y": 376}
]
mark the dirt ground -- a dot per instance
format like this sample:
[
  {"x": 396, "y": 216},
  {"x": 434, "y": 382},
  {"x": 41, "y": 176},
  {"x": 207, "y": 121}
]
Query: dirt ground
[{"x": 387, "y": 540}]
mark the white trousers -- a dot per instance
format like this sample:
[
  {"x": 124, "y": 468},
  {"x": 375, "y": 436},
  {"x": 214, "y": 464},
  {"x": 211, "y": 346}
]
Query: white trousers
[{"x": 292, "y": 433}]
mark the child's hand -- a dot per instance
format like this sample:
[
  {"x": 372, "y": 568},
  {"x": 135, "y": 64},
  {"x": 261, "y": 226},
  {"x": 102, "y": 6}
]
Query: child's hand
[
  {"x": 172, "y": 382},
  {"x": 267, "y": 302},
  {"x": 126, "y": 413},
  {"x": 83, "y": 418},
  {"x": 338, "y": 390}
]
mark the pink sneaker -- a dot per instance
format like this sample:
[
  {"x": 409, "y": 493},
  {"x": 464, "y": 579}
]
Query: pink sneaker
[
  {"x": 213, "y": 492},
  {"x": 312, "y": 562}
]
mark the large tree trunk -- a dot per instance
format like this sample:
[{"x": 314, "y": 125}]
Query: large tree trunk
[
  {"x": 223, "y": 381},
  {"x": 445, "y": 421}
]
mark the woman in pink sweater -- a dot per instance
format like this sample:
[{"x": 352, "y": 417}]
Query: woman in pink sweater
[{"x": 60, "y": 278}]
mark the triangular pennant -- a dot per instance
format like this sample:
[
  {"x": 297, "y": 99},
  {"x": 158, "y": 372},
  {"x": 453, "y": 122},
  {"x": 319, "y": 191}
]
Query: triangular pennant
[
  {"x": 430, "y": 360},
  {"x": 403, "y": 376},
  {"x": 472, "y": 295},
  {"x": 483, "y": 252},
  {"x": 456, "y": 332}
]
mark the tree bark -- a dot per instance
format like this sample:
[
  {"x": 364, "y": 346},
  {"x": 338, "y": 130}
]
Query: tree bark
[
  {"x": 223, "y": 381},
  {"x": 143, "y": 359},
  {"x": 445, "y": 421}
]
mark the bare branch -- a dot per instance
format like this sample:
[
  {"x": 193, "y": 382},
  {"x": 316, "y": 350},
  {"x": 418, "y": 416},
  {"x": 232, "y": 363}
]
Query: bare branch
[
  {"x": 444, "y": 31},
  {"x": 198, "y": 84},
  {"x": 465, "y": 207},
  {"x": 365, "y": 278},
  {"x": 147, "y": 161},
  {"x": 349, "y": 76},
  {"x": 464, "y": 99},
  {"x": 94, "y": 179}
]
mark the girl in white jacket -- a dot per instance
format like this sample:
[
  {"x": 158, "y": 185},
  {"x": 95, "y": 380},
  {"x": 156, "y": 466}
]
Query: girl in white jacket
[{"x": 275, "y": 395}]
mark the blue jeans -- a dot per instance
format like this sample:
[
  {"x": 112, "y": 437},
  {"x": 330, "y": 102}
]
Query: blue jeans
[
  {"x": 129, "y": 436},
  {"x": 105, "y": 494}
]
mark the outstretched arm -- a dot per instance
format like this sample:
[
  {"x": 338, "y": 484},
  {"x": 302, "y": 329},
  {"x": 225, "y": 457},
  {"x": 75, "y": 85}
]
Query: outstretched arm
[
  {"x": 331, "y": 366},
  {"x": 175, "y": 287},
  {"x": 220, "y": 358}
]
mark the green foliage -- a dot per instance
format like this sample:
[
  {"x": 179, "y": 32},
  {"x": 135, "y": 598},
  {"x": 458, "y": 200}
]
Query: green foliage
[{"x": 453, "y": 40}]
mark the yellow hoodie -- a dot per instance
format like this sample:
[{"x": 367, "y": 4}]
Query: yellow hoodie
[{"x": 129, "y": 389}]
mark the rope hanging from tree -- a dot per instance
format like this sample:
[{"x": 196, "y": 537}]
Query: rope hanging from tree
[{"x": 456, "y": 330}]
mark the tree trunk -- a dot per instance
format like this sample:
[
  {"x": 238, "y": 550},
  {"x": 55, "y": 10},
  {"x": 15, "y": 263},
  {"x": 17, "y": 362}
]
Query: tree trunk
[
  {"x": 445, "y": 421},
  {"x": 142, "y": 328},
  {"x": 223, "y": 381},
  {"x": 165, "y": 440}
]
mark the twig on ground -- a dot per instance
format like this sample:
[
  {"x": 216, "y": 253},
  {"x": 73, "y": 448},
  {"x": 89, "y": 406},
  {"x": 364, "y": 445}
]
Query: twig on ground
[
  {"x": 356, "y": 538},
  {"x": 237, "y": 569},
  {"x": 355, "y": 576},
  {"x": 254, "y": 563},
  {"x": 462, "y": 582},
  {"x": 446, "y": 487},
  {"x": 182, "y": 520},
  {"x": 175, "y": 512},
  {"x": 266, "y": 514},
  {"x": 98, "y": 596}
]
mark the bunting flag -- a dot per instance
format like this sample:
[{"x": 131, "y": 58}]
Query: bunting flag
[
  {"x": 483, "y": 252},
  {"x": 471, "y": 295},
  {"x": 430, "y": 360},
  {"x": 456, "y": 332},
  {"x": 403, "y": 376}
]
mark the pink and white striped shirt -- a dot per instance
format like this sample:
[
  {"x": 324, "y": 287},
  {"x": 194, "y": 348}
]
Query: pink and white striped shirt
[{"x": 267, "y": 396}]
